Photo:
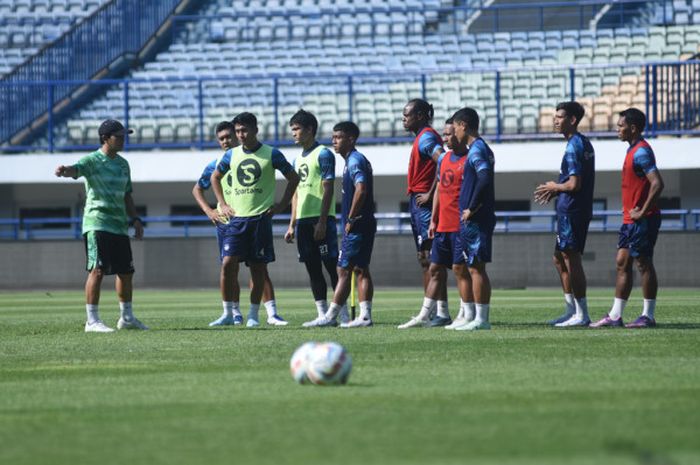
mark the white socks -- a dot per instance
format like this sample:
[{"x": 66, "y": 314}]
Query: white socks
[
  {"x": 321, "y": 307},
  {"x": 366, "y": 310},
  {"x": 271, "y": 308},
  {"x": 231, "y": 308},
  {"x": 617, "y": 308},
  {"x": 442, "y": 310},
  {"x": 649, "y": 306},
  {"x": 427, "y": 308},
  {"x": 92, "y": 313},
  {"x": 482, "y": 313},
  {"x": 125, "y": 310},
  {"x": 581, "y": 308},
  {"x": 570, "y": 304},
  {"x": 469, "y": 311},
  {"x": 332, "y": 312}
]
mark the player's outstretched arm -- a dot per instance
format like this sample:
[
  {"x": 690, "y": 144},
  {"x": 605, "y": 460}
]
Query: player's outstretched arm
[{"x": 63, "y": 171}]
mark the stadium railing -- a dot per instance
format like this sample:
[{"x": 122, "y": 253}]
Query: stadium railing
[
  {"x": 671, "y": 102},
  {"x": 93, "y": 44},
  {"x": 508, "y": 222}
]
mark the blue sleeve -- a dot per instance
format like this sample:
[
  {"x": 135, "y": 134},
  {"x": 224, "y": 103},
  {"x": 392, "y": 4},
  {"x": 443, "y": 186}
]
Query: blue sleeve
[
  {"x": 428, "y": 145},
  {"x": 644, "y": 160},
  {"x": 356, "y": 170},
  {"x": 326, "y": 160},
  {"x": 224, "y": 164},
  {"x": 439, "y": 164},
  {"x": 479, "y": 162},
  {"x": 484, "y": 175},
  {"x": 573, "y": 157},
  {"x": 280, "y": 163},
  {"x": 205, "y": 179}
]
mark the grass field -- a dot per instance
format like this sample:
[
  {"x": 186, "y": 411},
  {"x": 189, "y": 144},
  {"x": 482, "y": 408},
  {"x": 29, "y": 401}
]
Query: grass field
[{"x": 182, "y": 393}]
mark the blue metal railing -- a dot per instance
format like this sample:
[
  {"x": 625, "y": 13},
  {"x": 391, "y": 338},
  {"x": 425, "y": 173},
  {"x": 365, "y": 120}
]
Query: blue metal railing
[
  {"x": 118, "y": 28},
  {"x": 387, "y": 223},
  {"x": 672, "y": 94}
]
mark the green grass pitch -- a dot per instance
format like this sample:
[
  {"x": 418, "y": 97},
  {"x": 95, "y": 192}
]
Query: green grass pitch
[{"x": 183, "y": 393}]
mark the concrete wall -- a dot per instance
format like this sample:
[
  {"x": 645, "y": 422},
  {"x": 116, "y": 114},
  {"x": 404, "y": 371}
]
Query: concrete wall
[{"x": 522, "y": 260}]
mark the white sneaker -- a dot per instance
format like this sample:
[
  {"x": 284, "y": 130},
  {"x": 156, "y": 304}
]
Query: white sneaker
[
  {"x": 358, "y": 323},
  {"x": 131, "y": 323},
  {"x": 460, "y": 321},
  {"x": 97, "y": 327},
  {"x": 276, "y": 320},
  {"x": 474, "y": 325},
  {"x": 573, "y": 322},
  {"x": 344, "y": 315},
  {"x": 252, "y": 323},
  {"x": 560, "y": 319},
  {"x": 415, "y": 322},
  {"x": 320, "y": 322}
]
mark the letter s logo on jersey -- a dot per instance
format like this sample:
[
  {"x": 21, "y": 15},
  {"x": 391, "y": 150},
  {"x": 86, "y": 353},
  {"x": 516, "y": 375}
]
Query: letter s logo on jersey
[
  {"x": 447, "y": 178},
  {"x": 248, "y": 172},
  {"x": 303, "y": 172}
]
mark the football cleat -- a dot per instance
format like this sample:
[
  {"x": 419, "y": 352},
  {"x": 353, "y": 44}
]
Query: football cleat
[
  {"x": 439, "y": 321},
  {"x": 460, "y": 321},
  {"x": 574, "y": 322},
  {"x": 560, "y": 319},
  {"x": 276, "y": 320},
  {"x": 608, "y": 322},
  {"x": 131, "y": 323},
  {"x": 97, "y": 327},
  {"x": 320, "y": 322},
  {"x": 237, "y": 320},
  {"x": 642, "y": 322},
  {"x": 474, "y": 326},
  {"x": 224, "y": 320},
  {"x": 358, "y": 323},
  {"x": 252, "y": 323},
  {"x": 415, "y": 322}
]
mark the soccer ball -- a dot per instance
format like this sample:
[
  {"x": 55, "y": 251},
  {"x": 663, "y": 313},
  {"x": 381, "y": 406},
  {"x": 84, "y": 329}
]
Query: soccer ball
[
  {"x": 299, "y": 362},
  {"x": 328, "y": 364}
]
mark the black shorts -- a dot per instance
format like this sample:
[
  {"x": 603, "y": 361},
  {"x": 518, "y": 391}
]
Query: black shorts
[{"x": 109, "y": 252}]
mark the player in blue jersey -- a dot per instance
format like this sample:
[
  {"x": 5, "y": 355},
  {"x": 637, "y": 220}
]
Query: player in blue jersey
[
  {"x": 232, "y": 314},
  {"x": 478, "y": 217},
  {"x": 574, "y": 207},
  {"x": 312, "y": 221},
  {"x": 244, "y": 184},
  {"x": 421, "y": 180},
  {"x": 359, "y": 228}
]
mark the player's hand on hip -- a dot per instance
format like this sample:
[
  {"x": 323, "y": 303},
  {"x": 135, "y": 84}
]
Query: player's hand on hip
[
  {"x": 635, "y": 213},
  {"x": 422, "y": 199}
]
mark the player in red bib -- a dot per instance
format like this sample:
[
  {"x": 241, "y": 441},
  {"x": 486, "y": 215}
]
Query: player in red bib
[
  {"x": 426, "y": 150},
  {"x": 641, "y": 219},
  {"x": 444, "y": 233}
]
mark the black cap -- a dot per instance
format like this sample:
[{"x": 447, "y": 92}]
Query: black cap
[{"x": 111, "y": 127}]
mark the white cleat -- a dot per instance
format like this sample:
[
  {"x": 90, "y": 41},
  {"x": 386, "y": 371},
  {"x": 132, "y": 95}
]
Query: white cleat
[
  {"x": 415, "y": 322},
  {"x": 318, "y": 321},
  {"x": 252, "y": 323},
  {"x": 358, "y": 323},
  {"x": 560, "y": 319},
  {"x": 97, "y": 327},
  {"x": 131, "y": 323},
  {"x": 474, "y": 325},
  {"x": 457, "y": 322},
  {"x": 344, "y": 315},
  {"x": 276, "y": 320},
  {"x": 574, "y": 322}
]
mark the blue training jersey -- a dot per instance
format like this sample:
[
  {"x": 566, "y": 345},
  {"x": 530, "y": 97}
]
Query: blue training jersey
[
  {"x": 358, "y": 170},
  {"x": 428, "y": 144},
  {"x": 579, "y": 160},
  {"x": 478, "y": 188}
]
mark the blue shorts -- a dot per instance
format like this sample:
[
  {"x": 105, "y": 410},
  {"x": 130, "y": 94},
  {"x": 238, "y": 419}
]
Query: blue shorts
[
  {"x": 249, "y": 239},
  {"x": 571, "y": 232},
  {"x": 640, "y": 236},
  {"x": 446, "y": 249},
  {"x": 356, "y": 249},
  {"x": 420, "y": 223},
  {"x": 475, "y": 241},
  {"x": 310, "y": 250}
]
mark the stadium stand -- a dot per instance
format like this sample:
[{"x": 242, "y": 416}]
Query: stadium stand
[{"x": 226, "y": 55}]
